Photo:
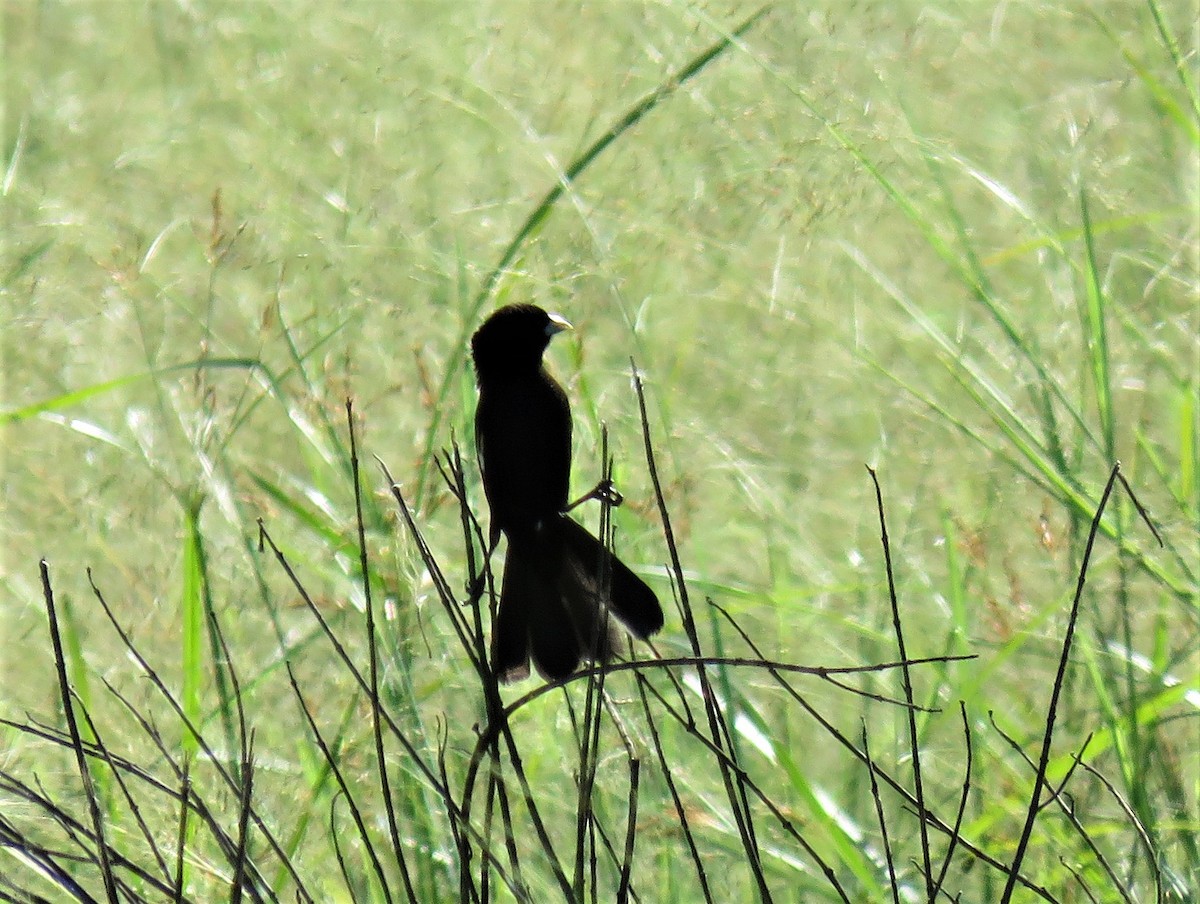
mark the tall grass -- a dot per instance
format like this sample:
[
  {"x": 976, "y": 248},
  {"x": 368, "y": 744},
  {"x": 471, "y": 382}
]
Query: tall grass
[
  {"x": 811, "y": 266},
  {"x": 414, "y": 856}
]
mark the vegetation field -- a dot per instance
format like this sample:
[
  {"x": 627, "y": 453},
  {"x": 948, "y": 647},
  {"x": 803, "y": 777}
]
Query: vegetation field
[{"x": 951, "y": 247}]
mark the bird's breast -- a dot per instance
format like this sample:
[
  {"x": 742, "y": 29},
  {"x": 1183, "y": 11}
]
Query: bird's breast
[{"x": 523, "y": 432}]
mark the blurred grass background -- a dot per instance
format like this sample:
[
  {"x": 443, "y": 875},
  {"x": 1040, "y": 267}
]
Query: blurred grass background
[{"x": 222, "y": 219}]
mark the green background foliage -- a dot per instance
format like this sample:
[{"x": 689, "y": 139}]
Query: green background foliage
[{"x": 955, "y": 241}]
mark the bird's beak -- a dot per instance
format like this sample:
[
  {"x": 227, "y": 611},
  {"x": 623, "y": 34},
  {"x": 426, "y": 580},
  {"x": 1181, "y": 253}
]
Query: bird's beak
[{"x": 557, "y": 324}]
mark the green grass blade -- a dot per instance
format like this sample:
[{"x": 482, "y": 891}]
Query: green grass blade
[
  {"x": 191, "y": 610},
  {"x": 78, "y": 396},
  {"x": 1096, "y": 335}
]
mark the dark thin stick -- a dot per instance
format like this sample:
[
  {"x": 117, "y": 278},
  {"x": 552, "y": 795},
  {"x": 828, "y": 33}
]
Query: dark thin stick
[
  {"x": 535, "y": 817},
  {"x": 585, "y": 816},
  {"x": 586, "y": 736},
  {"x": 364, "y": 565},
  {"x": 185, "y": 790},
  {"x": 594, "y": 705},
  {"x": 962, "y": 802},
  {"x": 518, "y": 880},
  {"x": 933, "y": 819},
  {"x": 344, "y": 790},
  {"x": 472, "y": 533},
  {"x": 192, "y": 799},
  {"x": 427, "y": 772},
  {"x": 440, "y": 583},
  {"x": 1078, "y": 878},
  {"x": 481, "y": 580},
  {"x": 77, "y": 833},
  {"x": 85, "y": 774},
  {"x": 1076, "y": 760},
  {"x": 197, "y": 805},
  {"x": 243, "y": 835},
  {"x": 879, "y": 814},
  {"x": 1058, "y": 796},
  {"x": 202, "y": 742},
  {"x": 339, "y": 648},
  {"x": 777, "y": 668},
  {"x": 914, "y": 740},
  {"x": 730, "y": 777},
  {"x": 243, "y": 776},
  {"x": 673, "y": 790},
  {"x": 621, "y": 862},
  {"x": 1052, "y": 711},
  {"x": 45, "y": 860},
  {"x": 118, "y": 773},
  {"x": 343, "y": 866},
  {"x": 635, "y": 772},
  {"x": 700, "y": 662},
  {"x": 1141, "y": 509},
  {"x": 497, "y": 722},
  {"x": 1137, "y": 826},
  {"x": 482, "y": 890},
  {"x": 726, "y": 760}
]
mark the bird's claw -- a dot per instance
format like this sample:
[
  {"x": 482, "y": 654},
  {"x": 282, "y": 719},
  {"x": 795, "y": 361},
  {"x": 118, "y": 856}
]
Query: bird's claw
[
  {"x": 607, "y": 493},
  {"x": 604, "y": 492}
]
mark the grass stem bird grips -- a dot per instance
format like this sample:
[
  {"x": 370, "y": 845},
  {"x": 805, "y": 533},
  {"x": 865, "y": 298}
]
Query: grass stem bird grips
[{"x": 561, "y": 589}]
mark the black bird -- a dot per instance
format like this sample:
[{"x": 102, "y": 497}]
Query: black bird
[{"x": 560, "y": 583}]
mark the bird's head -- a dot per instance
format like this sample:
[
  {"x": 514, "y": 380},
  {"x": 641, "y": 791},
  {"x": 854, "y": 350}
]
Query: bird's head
[{"x": 512, "y": 340}]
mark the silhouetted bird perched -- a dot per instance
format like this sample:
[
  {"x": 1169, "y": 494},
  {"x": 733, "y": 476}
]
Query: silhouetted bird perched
[{"x": 560, "y": 583}]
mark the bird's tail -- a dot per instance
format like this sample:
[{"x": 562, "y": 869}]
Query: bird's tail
[{"x": 560, "y": 587}]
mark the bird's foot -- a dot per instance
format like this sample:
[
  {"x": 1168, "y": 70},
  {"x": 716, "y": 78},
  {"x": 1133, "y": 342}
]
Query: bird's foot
[{"x": 604, "y": 491}]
